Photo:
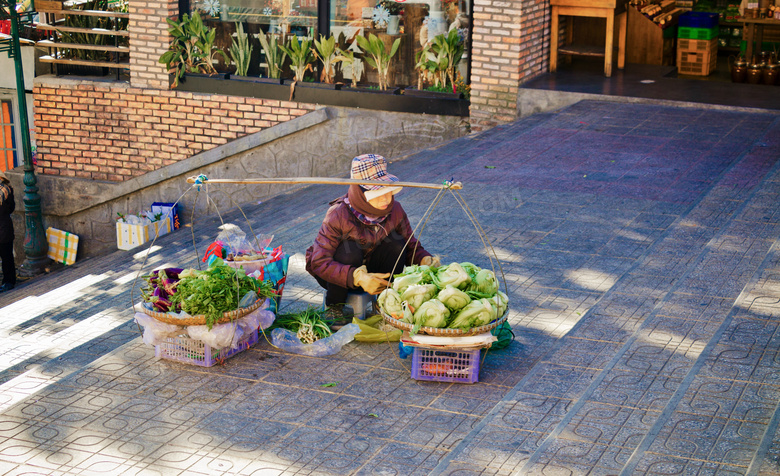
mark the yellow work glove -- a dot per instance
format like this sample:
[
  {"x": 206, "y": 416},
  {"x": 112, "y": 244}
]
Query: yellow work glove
[
  {"x": 432, "y": 261},
  {"x": 372, "y": 283}
]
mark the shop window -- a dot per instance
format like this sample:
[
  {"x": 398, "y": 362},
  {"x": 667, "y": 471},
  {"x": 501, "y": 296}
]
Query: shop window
[
  {"x": 8, "y": 149},
  {"x": 415, "y": 22}
]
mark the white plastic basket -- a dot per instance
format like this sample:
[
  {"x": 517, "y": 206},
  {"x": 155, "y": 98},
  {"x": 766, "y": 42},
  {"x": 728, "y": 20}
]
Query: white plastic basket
[{"x": 195, "y": 352}]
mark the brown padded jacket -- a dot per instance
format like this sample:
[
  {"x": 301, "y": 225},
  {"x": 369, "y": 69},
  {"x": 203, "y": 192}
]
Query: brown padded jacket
[{"x": 340, "y": 224}]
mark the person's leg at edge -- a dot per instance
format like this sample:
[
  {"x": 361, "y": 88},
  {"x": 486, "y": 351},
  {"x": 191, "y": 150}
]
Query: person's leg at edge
[
  {"x": 8, "y": 266},
  {"x": 350, "y": 253}
]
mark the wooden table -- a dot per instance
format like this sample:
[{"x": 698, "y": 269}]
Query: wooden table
[
  {"x": 589, "y": 8},
  {"x": 754, "y": 33}
]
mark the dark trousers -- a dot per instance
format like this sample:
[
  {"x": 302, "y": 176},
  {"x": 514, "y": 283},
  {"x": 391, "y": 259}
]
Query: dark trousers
[
  {"x": 381, "y": 260},
  {"x": 9, "y": 267}
]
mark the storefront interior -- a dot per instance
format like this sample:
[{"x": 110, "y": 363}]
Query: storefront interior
[{"x": 689, "y": 59}]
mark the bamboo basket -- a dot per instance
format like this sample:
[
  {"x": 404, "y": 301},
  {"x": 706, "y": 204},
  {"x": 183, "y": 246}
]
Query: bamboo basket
[
  {"x": 200, "y": 319},
  {"x": 445, "y": 331}
]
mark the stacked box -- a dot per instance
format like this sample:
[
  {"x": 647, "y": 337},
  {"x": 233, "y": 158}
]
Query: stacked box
[
  {"x": 195, "y": 352},
  {"x": 452, "y": 365},
  {"x": 697, "y": 57},
  {"x": 692, "y": 33},
  {"x": 699, "y": 20},
  {"x": 170, "y": 209},
  {"x": 129, "y": 236}
]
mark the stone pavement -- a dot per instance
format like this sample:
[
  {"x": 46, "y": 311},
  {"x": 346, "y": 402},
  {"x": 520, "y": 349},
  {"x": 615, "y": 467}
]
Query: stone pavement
[{"x": 641, "y": 255}]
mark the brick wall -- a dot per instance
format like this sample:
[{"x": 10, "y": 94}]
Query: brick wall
[
  {"x": 149, "y": 39},
  {"x": 116, "y": 132},
  {"x": 510, "y": 45}
]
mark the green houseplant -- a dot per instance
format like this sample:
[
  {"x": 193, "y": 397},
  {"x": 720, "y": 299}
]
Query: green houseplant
[
  {"x": 301, "y": 56},
  {"x": 347, "y": 56},
  {"x": 452, "y": 47},
  {"x": 274, "y": 54},
  {"x": 241, "y": 50},
  {"x": 377, "y": 55},
  {"x": 192, "y": 47},
  {"x": 437, "y": 62},
  {"x": 326, "y": 52}
]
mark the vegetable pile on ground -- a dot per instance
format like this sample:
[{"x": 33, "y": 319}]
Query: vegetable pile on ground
[
  {"x": 210, "y": 292},
  {"x": 308, "y": 325},
  {"x": 457, "y": 295}
]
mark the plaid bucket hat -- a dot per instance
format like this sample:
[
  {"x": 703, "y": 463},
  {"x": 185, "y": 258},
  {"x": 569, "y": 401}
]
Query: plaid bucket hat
[{"x": 373, "y": 167}]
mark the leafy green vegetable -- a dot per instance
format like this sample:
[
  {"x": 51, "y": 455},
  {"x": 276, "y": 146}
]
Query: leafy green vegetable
[
  {"x": 483, "y": 285},
  {"x": 453, "y": 274},
  {"x": 476, "y": 313},
  {"x": 417, "y": 294},
  {"x": 503, "y": 302},
  {"x": 308, "y": 325},
  {"x": 216, "y": 290},
  {"x": 453, "y": 298},
  {"x": 469, "y": 295},
  {"x": 431, "y": 313},
  {"x": 390, "y": 301},
  {"x": 403, "y": 281}
]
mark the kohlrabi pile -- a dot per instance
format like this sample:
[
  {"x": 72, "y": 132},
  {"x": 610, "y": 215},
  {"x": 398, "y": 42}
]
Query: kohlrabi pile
[{"x": 457, "y": 295}]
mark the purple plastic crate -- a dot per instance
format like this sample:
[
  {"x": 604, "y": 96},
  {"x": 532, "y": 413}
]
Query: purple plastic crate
[
  {"x": 698, "y": 20},
  {"x": 195, "y": 352},
  {"x": 455, "y": 365}
]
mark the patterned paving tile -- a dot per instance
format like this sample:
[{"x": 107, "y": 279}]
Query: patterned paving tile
[{"x": 621, "y": 260}]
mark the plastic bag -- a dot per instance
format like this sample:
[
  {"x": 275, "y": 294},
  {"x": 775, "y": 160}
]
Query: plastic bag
[
  {"x": 370, "y": 331},
  {"x": 155, "y": 332},
  {"x": 234, "y": 238},
  {"x": 221, "y": 335},
  {"x": 404, "y": 351},
  {"x": 504, "y": 334},
  {"x": 249, "y": 298},
  {"x": 230, "y": 333},
  {"x": 288, "y": 341}
]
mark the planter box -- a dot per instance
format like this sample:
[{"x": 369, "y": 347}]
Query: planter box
[
  {"x": 255, "y": 79},
  {"x": 422, "y": 93},
  {"x": 315, "y": 85},
  {"x": 201, "y": 75},
  {"x": 360, "y": 97}
]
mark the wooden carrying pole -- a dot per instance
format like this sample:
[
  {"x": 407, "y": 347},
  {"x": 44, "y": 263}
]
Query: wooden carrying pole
[{"x": 328, "y": 181}]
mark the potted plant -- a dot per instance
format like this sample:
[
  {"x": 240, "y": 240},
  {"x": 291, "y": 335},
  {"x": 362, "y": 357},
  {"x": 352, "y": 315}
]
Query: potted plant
[
  {"x": 436, "y": 65},
  {"x": 241, "y": 51},
  {"x": 192, "y": 48},
  {"x": 275, "y": 55},
  {"x": 377, "y": 55},
  {"x": 356, "y": 64},
  {"x": 301, "y": 56},
  {"x": 325, "y": 50},
  {"x": 451, "y": 46}
]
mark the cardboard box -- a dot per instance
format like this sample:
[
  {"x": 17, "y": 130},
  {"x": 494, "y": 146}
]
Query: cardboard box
[
  {"x": 129, "y": 236},
  {"x": 63, "y": 246}
]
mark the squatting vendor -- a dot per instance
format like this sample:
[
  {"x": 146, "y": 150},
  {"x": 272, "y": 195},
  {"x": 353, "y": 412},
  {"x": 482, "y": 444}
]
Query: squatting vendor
[{"x": 361, "y": 238}]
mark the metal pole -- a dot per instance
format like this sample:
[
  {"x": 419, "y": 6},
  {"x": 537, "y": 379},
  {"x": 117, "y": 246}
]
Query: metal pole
[{"x": 35, "y": 244}]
